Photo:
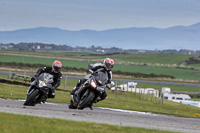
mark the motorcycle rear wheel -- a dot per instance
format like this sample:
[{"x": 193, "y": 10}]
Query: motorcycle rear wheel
[
  {"x": 30, "y": 98},
  {"x": 86, "y": 101}
]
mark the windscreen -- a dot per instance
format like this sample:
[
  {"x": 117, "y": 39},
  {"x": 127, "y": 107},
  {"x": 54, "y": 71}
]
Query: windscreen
[
  {"x": 101, "y": 78},
  {"x": 46, "y": 77}
]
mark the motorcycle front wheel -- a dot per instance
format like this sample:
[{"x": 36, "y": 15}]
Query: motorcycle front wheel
[
  {"x": 30, "y": 98},
  {"x": 86, "y": 100}
]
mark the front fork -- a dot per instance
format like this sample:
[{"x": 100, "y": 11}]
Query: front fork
[
  {"x": 79, "y": 92},
  {"x": 30, "y": 90}
]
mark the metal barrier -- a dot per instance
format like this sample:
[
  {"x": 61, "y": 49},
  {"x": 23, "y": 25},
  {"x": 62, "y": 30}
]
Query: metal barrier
[{"x": 24, "y": 77}]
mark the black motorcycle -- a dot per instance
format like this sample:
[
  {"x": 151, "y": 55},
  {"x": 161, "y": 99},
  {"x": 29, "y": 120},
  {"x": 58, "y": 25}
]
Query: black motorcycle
[
  {"x": 89, "y": 92},
  {"x": 39, "y": 89}
]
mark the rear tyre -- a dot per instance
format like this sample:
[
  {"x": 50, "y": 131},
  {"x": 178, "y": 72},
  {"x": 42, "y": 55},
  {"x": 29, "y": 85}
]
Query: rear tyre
[
  {"x": 30, "y": 98},
  {"x": 86, "y": 101}
]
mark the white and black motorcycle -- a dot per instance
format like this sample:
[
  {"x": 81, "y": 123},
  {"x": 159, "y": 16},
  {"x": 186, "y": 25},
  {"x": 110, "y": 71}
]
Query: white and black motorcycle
[{"x": 39, "y": 89}]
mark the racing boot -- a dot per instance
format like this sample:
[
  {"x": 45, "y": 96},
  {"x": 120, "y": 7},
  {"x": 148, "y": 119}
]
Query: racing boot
[
  {"x": 52, "y": 93},
  {"x": 96, "y": 101},
  {"x": 43, "y": 99}
]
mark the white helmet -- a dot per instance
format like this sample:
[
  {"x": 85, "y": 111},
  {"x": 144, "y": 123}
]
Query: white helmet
[{"x": 108, "y": 63}]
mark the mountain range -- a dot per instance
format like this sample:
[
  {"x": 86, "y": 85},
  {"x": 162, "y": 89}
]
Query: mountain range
[{"x": 177, "y": 37}]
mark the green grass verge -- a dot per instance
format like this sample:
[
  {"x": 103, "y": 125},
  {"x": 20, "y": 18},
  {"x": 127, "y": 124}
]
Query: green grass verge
[
  {"x": 126, "y": 100},
  {"x": 11, "y": 123}
]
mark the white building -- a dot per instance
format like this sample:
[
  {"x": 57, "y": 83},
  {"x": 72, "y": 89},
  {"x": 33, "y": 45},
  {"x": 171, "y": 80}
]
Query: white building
[
  {"x": 170, "y": 96},
  {"x": 48, "y": 47},
  {"x": 177, "y": 97},
  {"x": 126, "y": 87},
  {"x": 166, "y": 90},
  {"x": 180, "y": 98},
  {"x": 132, "y": 87}
]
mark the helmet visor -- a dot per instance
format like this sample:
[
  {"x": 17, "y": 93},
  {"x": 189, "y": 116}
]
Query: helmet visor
[
  {"x": 57, "y": 69},
  {"x": 110, "y": 65}
]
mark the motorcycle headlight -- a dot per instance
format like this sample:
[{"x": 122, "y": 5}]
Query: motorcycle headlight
[
  {"x": 93, "y": 84},
  {"x": 41, "y": 83}
]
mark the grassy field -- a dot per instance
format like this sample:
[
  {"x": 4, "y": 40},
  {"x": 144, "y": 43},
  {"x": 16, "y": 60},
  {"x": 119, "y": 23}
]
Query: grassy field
[
  {"x": 152, "y": 59},
  {"x": 47, "y": 53},
  {"x": 172, "y": 59},
  {"x": 44, "y": 61},
  {"x": 178, "y": 73},
  {"x": 167, "y": 60},
  {"x": 126, "y": 100},
  {"x": 11, "y": 123}
]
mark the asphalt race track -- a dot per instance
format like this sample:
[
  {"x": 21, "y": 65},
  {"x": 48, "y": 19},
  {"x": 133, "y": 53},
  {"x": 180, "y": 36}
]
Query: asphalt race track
[{"x": 104, "y": 115}]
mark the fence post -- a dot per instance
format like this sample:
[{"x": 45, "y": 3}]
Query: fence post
[
  {"x": 139, "y": 94},
  {"x": 127, "y": 87},
  {"x": 143, "y": 93},
  {"x": 65, "y": 82},
  {"x": 9, "y": 73},
  {"x": 163, "y": 99},
  {"x": 116, "y": 89},
  {"x": 135, "y": 90},
  {"x": 147, "y": 96},
  {"x": 156, "y": 95},
  {"x": 151, "y": 96},
  {"x": 124, "y": 86}
]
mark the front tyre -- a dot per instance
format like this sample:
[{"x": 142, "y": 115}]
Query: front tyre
[
  {"x": 30, "y": 98},
  {"x": 86, "y": 100},
  {"x": 71, "y": 105}
]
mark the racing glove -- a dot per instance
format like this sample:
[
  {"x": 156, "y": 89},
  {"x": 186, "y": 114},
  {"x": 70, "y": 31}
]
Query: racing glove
[
  {"x": 33, "y": 78},
  {"x": 100, "y": 90}
]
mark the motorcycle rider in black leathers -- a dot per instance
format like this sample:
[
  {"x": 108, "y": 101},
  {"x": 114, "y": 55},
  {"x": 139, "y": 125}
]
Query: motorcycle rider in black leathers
[
  {"x": 57, "y": 76},
  {"x": 107, "y": 66}
]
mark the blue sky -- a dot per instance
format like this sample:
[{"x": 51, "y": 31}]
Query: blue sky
[{"x": 97, "y": 14}]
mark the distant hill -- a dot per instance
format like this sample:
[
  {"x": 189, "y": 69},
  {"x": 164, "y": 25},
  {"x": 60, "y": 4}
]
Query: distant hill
[{"x": 178, "y": 37}]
